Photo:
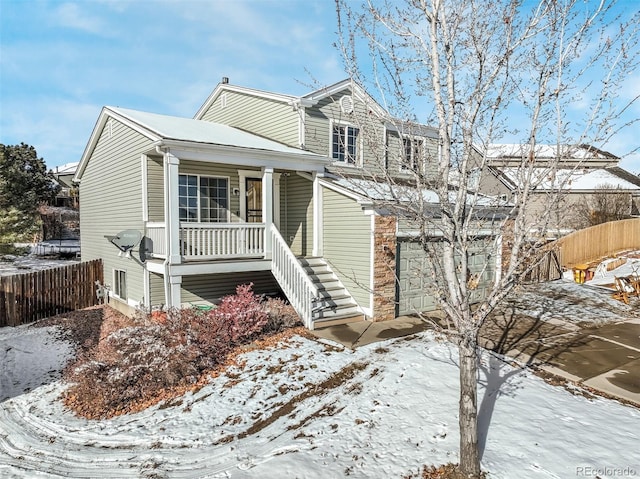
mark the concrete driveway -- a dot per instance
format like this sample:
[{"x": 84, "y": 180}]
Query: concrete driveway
[{"x": 605, "y": 357}]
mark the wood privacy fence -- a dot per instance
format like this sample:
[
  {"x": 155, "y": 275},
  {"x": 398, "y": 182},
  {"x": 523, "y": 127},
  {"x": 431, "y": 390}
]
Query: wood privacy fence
[
  {"x": 31, "y": 296},
  {"x": 599, "y": 241},
  {"x": 546, "y": 268}
]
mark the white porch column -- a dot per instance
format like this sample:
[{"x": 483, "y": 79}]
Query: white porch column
[
  {"x": 175, "y": 284},
  {"x": 171, "y": 229},
  {"x": 267, "y": 208},
  {"x": 318, "y": 233},
  {"x": 171, "y": 208}
]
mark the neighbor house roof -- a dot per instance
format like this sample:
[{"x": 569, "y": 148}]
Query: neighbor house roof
[
  {"x": 567, "y": 179},
  {"x": 544, "y": 151}
]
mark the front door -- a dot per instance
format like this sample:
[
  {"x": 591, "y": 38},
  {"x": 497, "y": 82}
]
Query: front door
[{"x": 254, "y": 200}]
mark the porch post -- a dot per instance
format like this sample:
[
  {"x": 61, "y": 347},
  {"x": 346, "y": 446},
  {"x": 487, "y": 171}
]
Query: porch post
[
  {"x": 317, "y": 249},
  {"x": 171, "y": 229},
  {"x": 175, "y": 284},
  {"x": 267, "y": 208},
  {"x": 171, "y": 208}
]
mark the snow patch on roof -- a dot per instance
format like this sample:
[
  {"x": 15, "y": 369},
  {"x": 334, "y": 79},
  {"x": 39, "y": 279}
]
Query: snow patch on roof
[{"x": 199, "y": 131}]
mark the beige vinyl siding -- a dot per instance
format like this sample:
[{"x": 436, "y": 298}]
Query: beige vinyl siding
[
  {"x": 269, "y": 118},
  {"x": 111, "y": 197},
  {"x": 212, "y": 287},
  {"x": 296, "y": 213},
  {"x": 347, "y": 243},
  {"x": 156, "y": 289},
  {"x": 318, "y": 134},
  {"x": 155, "y": 189},
  {"x": 221, "y": 170}
]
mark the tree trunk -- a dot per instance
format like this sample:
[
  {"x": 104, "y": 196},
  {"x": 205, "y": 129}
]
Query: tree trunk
[{"x": 468, "y": 421}]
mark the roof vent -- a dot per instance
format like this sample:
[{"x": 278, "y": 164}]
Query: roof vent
[
  {"x": 225, "y": 80},
  {"x": 346, "y": 104}
]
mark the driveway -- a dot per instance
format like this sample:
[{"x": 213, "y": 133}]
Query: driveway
[{"x": 576, "y": 332}]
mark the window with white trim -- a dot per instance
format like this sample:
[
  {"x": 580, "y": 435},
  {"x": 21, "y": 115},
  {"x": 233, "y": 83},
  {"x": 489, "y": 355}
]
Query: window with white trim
[
  {"x": 120, "y": 283},
  {"x": 413, "y": 154},
  {"x": 203, "y": 198},
  {"x": 344, "y": 143}
]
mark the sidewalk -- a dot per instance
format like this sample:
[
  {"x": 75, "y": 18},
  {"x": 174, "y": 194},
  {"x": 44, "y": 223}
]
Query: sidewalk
[{"x": 605, "y": 358}]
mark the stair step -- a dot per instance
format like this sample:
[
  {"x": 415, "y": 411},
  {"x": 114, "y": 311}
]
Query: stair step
[
  {"x": 335, "y": 301},
  {"x": 350, "y": 310},
  {"x": 325, "y": 323},
  {"x": 322, "y": 277},
  {"x": 312, "y": 261}
]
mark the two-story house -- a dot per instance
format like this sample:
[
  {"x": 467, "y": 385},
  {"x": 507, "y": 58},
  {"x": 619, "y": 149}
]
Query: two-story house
[
  {"x": 261, "y": 187},
  {"x": 581, "y": 180}
]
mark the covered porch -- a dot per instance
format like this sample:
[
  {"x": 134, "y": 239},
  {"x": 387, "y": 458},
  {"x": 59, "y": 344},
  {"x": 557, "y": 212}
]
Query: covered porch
[{"x": 222, "y": 212}]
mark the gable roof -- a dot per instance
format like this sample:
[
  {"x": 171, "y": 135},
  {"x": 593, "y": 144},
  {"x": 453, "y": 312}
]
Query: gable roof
[
  {"x": 516, "y": 151},
  {"x": 312, "y": 98},
  {"x": 163, "y": 128},
  {"x": 222, "y": 87}
]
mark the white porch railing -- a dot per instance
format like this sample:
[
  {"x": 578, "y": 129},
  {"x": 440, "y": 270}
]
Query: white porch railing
[
  {"x": 206, "y": 241},
  {"x": 293, "y": 279}
]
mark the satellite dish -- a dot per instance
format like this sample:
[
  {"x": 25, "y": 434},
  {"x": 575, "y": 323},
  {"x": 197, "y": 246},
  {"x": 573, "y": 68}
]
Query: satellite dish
[{"x": 126, "y": 240}]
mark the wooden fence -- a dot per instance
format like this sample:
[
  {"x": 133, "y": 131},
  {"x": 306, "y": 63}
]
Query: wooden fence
[
  {"x": 31, "y": 296},
  {"x": 599, "y": 241},
  {"x": 546, "y": 268}
]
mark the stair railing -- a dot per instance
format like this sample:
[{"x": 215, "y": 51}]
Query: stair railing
[{"x": 293, "y": 279}]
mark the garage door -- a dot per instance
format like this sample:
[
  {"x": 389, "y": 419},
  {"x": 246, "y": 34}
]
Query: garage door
[{"x": 415, "y": 275}]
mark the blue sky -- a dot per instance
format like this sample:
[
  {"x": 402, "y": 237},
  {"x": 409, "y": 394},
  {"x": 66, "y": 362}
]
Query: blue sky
[{"x": 60, "y": 62}]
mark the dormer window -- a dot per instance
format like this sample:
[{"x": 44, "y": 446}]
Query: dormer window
[
  {"x": 413, "y": 154},
  {"x": 344, "y": 143}
]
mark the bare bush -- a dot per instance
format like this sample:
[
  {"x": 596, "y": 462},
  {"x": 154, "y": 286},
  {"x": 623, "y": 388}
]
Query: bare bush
[{"x": 140, "y": 364}]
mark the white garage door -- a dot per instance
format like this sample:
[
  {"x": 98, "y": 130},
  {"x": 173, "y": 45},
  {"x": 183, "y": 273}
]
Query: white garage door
[{"x": 415, "y": 275}]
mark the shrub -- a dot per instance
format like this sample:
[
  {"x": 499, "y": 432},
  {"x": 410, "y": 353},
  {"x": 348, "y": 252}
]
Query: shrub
[
  {"x": 244, "y": 311},
  {"x": 281, "y": 315},
  {"x": 135, "y": 366}
]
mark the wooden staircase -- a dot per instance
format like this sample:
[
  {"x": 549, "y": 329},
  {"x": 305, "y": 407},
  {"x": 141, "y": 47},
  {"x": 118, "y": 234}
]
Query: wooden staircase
[{"x": 334, "y": 304}]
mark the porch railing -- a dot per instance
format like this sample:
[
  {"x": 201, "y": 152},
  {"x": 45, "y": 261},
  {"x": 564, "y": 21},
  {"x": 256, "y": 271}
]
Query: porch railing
[
  {"x": 205, "y": 241},
  {"x": 293, "y": 279}
]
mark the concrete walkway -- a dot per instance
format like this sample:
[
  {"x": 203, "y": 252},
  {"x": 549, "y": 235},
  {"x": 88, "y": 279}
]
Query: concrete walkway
[{"x": 605, "y": 358}]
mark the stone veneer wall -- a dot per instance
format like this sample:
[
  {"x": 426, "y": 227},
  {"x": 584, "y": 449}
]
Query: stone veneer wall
[{"x": 384, "y": 264}]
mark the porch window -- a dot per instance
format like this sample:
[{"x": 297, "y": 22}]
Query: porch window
[
  {"x": 413, "y": 154},
  {"x": 203, "y": 198},
  {"x": 344, "y": 144}
]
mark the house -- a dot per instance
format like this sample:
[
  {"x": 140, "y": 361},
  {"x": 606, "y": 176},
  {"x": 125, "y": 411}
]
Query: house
[
  {"x": 589, "y": 180},
  {"x": 266, "y": 188},
  {"x": 68, "y": 194}
]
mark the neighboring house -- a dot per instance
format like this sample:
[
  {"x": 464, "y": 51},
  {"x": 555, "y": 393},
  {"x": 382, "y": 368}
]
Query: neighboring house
[
  {"x": 589, "y": 180},
  {"x": 265, "y": 188},
  {"x": 68, "y": 195}
]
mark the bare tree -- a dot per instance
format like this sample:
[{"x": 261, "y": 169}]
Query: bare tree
[
  {"x": 608, "y": 203},
  {"x": 480, "y": 72}
]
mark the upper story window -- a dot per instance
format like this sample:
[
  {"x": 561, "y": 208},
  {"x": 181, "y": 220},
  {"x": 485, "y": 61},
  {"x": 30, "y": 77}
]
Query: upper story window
[
  {"x": 413, "y": 154},
  {"x": 203, "y": 198},
  {"x": 344, "y": 143}
]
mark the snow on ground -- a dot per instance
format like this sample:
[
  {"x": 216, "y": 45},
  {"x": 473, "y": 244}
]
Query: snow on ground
[
  {"x": 30, "y": 357},
  {"x": 311, "y": 410},
  {"x": 10, "y": 264}
]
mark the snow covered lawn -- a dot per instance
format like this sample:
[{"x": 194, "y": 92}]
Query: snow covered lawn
[{"x": 310, "y": 410}]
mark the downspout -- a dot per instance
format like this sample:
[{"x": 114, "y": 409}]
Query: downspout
[{"x": 165, "y": 178}]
